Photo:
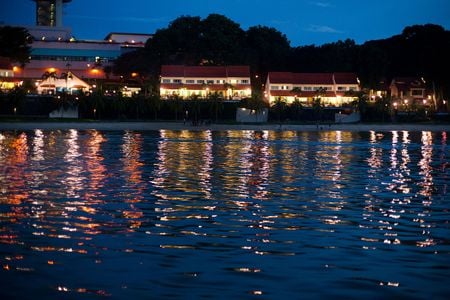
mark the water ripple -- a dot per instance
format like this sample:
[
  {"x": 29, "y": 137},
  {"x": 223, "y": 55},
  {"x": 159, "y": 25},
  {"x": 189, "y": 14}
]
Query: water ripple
[{"x": 275, "y": 214}]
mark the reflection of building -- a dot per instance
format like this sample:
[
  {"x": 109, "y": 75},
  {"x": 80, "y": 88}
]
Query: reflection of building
[
  {"x": 333, "y": 89},
  {"x": 231, "y": 82},
  {"x": 410, "y": 91}
]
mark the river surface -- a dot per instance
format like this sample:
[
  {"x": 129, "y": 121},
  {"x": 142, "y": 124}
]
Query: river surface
[{"x": 87, "y": 214}]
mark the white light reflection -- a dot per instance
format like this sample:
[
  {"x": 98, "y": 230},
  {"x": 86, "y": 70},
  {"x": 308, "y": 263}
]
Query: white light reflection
[
  {"x": 425, "y": 167},
  {"x": 206, "y": 165},
  {"x": 73, "y": 181},
  {"x": 38, "y": 144},
  {"x": 375, "y": 161},
  {"x": 37, "y": 176},
  {"x": 183, "y": 173}
]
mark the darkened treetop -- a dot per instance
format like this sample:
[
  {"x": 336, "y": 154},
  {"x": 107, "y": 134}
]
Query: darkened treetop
[{"x": 14, "y": 43}]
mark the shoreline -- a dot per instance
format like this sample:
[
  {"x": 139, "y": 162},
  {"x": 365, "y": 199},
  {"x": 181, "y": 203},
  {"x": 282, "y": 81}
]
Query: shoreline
[{"x": 104, "y": 125}]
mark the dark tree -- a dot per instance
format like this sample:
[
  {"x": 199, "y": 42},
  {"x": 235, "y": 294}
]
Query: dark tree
[
  {"x": 267, "y": 49},
  {"x": 15, "y": 44},
  {"x": 221, "y": 41}
]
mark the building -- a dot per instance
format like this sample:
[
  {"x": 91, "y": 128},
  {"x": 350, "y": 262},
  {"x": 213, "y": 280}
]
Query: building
[
  {"x": 49, "y": 12},
  {"x": 333, "y": 89},
  {"x": 86, "y": 59},
  {"x": 129, "y": 41},
  {"x": 7, "y": 80},
  {"x": 229, "y": 82},
  {"x": 408, "y": 92},
  {"x": 69, "y": 84},
  {"x": 55, "y": 50}
]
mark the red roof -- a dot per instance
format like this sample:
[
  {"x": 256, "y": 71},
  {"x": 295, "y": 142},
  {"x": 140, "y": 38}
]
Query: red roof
[
  {"x": 238, "y": 71},
  {"x": 345, "y": 78},
  {"x": 300, "y": 78},
  {"x": 312, "y": 78},
  {"x": 409, "y": 82},
  {"x": 205, "y": 71},
  {"x": 172, "y": 71}
]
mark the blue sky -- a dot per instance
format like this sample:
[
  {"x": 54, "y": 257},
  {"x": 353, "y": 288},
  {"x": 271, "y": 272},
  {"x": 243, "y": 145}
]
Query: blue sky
[{"x": 304, "y": 22}]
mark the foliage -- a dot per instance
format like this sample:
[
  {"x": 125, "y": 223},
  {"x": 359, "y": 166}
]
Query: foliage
[
  {"x": 420, "y": 50},
  {"x": 215, "y": 40},
  {"x": 266, "y": 49},
  {"x": 215, "y": 105},
  {"x": 280, "y": 108},
  {"x": 15, "y": 44}
]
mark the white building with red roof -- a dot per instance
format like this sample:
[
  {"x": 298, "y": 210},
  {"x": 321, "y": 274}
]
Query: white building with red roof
[
  {"x": 229, "y": 82},
  {"x": 333, "y": 89}
]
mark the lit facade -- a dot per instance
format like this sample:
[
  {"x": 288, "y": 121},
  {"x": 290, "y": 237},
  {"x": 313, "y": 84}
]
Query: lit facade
[
  {"x": 229, "y": 82},
  {"x": 7, "y": 80},
  {"x": 70, "y": 84},
  {"x": 53, "y": 52},
  {"x": 333, "y": 89},
  {"x": 85, "y": 59}
]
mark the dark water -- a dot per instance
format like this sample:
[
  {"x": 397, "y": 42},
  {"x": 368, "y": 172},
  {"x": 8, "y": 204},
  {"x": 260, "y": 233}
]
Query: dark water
[{"x": 233, "y": 215}]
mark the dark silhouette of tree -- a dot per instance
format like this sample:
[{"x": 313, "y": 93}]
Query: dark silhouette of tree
[
  {"x": 267, "y": 49},
  {"x": 215, "y": 105},
  {"x": 15, "y": 44},
  {"x": 221, "y": 41}
]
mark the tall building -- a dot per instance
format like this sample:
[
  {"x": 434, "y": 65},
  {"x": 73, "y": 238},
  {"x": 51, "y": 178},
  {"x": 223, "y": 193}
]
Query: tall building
[
  {"x": 49, "y": 12},
  {"x": 54, "y": 49}
]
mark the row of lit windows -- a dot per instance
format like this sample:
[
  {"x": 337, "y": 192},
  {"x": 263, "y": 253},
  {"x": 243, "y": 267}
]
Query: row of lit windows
[
  {"x": 6, "y": 73},
  {"x": 70, "y": 58},
  {"x": 208, "y": 81},
  {"x": 313, "y": 88},
  {"x": 417, "y": 92}
]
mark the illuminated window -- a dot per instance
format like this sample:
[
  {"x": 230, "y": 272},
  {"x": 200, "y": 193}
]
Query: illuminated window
[{"x": 416, "y": 92}]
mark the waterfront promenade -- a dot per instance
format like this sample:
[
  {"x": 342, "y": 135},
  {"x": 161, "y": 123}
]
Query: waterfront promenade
[{"x": 104, "y": 125}]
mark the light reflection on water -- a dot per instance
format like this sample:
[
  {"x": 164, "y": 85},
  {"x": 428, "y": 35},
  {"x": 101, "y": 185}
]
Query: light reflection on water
[{"x": 224, "y": 214}]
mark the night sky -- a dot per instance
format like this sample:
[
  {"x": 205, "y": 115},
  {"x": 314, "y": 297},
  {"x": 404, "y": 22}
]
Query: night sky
[{"x": 304, "y": 22}]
